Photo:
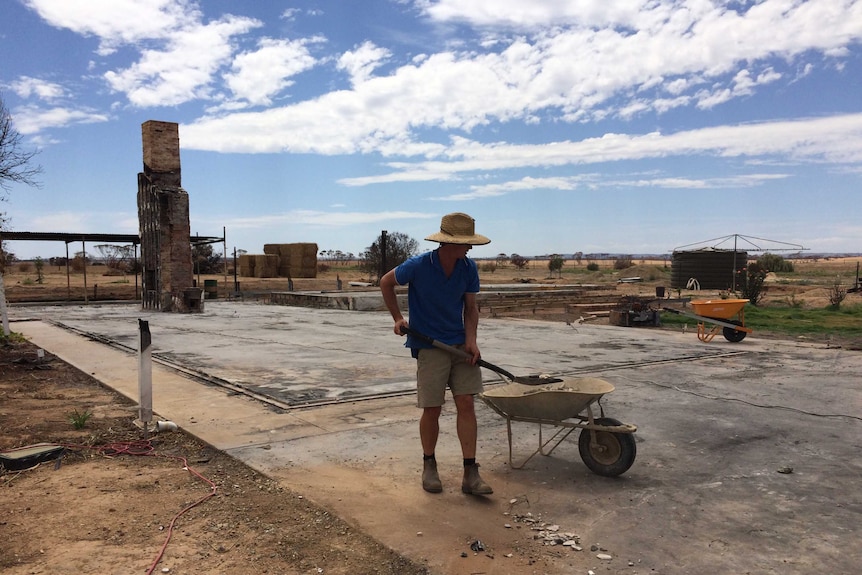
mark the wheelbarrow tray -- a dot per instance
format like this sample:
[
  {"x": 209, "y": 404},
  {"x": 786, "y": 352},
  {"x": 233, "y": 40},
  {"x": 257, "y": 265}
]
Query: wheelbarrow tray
[
  {"x": 718, "y": 308},
  {"x": 551, "y": 402}
]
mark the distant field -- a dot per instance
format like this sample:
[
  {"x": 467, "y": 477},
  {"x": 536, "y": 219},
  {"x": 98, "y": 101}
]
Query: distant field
[{"x": 806, "y": 286}]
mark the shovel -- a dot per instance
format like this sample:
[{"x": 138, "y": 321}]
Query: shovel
[{"x": 526, "y": 379}]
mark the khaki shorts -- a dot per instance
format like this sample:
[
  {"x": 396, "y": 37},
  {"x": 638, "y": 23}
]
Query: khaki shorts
[{"x": 437, "y": 369}]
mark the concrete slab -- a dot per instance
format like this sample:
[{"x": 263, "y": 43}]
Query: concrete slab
[{"x": 747, "y": 453}]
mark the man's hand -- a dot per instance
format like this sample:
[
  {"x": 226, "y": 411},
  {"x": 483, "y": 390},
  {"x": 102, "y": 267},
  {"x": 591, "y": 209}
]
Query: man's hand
[
  {"x": 473, "y": 350},
  {"x": 399, "y": 323}
]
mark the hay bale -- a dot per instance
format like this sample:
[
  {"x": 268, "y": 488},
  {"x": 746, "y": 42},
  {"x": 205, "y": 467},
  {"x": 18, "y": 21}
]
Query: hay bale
[
  {"x": 303, "y": 260},
  {"x": 271, "y": 265},
  {"x": 265, "y": 265},
  {"x": 295, "y": 260},
  {"x": 259, "y": 264},
  {"x": 246, "y": 266},
  {"x": 284, "y": 260}
]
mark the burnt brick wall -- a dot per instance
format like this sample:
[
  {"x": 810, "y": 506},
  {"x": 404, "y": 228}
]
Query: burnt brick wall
[
  {"x": 163, "y": 214},
  {"x": 162, "y": 153}
]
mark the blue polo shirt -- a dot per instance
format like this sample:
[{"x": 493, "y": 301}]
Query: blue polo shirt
[{"x": 436, "y": 302}]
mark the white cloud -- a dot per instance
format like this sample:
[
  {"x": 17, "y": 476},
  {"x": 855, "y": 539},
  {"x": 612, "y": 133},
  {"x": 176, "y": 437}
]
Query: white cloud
[
  {"x": 259, "y": 75},
  {"x": 735, "y": 182},
  {"x": 533, "y": 14},
  {"x": 672, "y": 55},
  {"x": 836, "y": 139},
  {"x": 741, "y": 85},
  {"x": 89, "y": 221},
  {"x": 32, "y": 119},
  {"x": 188, "y": 53},
  {"x": 290, "y": 13},
  {"x": 333, "y": 219},
  {"x": 524, "y": 184},
  {"x": 25, "y": 87},
  {"x": 599, "y": 60},
  {"x": 184, "y": 70},
  {"x": 117, "y": 22},
  {"x": 593, "y": 181},
  {"x": 360, "y": 63}
]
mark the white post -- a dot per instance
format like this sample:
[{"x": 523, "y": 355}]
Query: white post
[
  {"x": 3, "y": 311},
  {"x": 145, "y": 375}
]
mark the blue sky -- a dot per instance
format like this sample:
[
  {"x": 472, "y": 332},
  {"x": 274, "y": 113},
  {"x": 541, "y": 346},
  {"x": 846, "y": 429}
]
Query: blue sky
[{"x": 561, "y": 126}]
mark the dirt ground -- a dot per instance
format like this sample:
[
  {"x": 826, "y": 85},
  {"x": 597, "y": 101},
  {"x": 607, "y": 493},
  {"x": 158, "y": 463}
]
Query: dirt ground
[{"x": 115, "y": 503}]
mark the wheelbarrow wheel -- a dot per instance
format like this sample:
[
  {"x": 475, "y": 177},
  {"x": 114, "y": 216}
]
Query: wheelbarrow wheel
[
  {"x": 611, "y": 454},
  {"x": 733, "y": 335}
]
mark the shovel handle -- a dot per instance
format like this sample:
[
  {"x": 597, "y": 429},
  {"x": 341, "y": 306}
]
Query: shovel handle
[{"x": 454, "y": 350}]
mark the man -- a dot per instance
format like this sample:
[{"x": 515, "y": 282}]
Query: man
[{"x": 442, "y": 305}]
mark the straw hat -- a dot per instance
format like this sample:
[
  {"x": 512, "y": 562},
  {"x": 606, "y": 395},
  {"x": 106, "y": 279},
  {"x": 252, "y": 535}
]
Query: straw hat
[{"x": 458, "y": 228}]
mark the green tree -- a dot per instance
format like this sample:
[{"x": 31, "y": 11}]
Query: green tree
[
  {"x": 837, "y": 293},
  {"x": 555, "y": 264},
  {"x": 518, "y": 261},
  {"x": 40, "y": 270},
  {"x": 116, "y": 257},
  {"x": 774, "y": 263},
  {"x": 398, "y": 247},
  {"x": 623, "y": 262},
  {"x": 753, "y": 289},
  {"x": 206, "y": 260}
]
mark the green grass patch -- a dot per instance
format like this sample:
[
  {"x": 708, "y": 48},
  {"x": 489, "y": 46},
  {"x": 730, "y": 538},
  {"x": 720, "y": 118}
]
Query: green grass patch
[
  {"x": 846, "y": 321},
  {"x": 12, "y": 338},
  {"x": 79, "y": 419}
]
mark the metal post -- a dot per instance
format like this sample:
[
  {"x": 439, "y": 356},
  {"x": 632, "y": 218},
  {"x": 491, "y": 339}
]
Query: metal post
[
  {"x": 84, "y": 259},
  {"x": 733, "y": 274},
  {"x": 136, "y": 266},
  {"x": 3, "y": 312},
  {"x": 383, "y": 269},
  {"x": 224, "y": 255},
  {"x": 235, "y": 284},
  {"x": 197, "y": 263},
  {"x": 68, "y": 272},
  {"x": 145, "y": 376}
]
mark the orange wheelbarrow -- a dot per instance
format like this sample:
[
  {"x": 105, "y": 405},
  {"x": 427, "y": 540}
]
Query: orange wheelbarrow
[{"x": 725, "y": 315}]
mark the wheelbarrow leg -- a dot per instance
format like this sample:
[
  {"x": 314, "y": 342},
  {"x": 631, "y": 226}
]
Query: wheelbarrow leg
[
  {"x": 565, "y": 431},
  {"x": 511, "y": 461},
  {"x": 706, "y": 336},
  {"x": 509, "y": 433},
  {"x": 568, "y": 431}
]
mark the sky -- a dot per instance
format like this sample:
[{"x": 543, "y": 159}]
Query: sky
[{"x": 561, "y": 126}]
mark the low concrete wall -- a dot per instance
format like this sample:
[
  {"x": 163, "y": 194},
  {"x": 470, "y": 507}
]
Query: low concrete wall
[{"x": 353, "y": 301}]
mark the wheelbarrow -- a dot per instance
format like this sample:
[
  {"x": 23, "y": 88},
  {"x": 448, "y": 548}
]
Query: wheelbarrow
[
  {"x": 606, "y": 445},
  {"x": 727, "y": 315}
]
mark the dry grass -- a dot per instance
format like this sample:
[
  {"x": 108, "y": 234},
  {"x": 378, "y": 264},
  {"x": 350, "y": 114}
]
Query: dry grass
[{"x": 809, "y": 283}]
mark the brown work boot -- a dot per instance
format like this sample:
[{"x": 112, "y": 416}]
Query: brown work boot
[
  {"x": 430, "y": 480},
  {"x": 473, "y": 484}
]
